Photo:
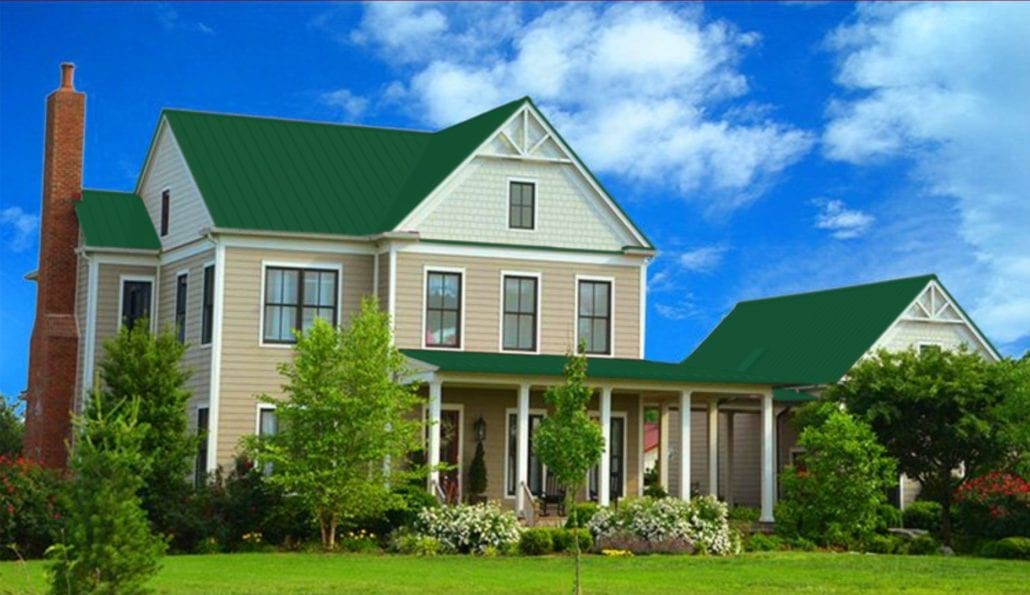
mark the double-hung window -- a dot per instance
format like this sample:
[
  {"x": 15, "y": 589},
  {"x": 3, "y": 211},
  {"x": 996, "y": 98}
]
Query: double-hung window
[
  {"x": 166, "y": 207},
  {"x": 181, "y": 287},
  {"x": 443, "y": 309},
  {"x": 208, "y": 307},
  {"x": 135, "y": 301},
  {"x": 521, "y": 205},
  {"x": 294, "y": 298},
  {"x": 520, "y": 313},
  {"x": 594, "y": 313}
]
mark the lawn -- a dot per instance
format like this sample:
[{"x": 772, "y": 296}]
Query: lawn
[{"x": 323, "y": 573}]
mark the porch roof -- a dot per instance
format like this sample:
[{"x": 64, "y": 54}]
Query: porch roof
[{"x": 518, "y": 364}]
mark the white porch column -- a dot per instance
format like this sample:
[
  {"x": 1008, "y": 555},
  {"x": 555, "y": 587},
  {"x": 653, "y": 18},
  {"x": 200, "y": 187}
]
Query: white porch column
[
  {"x": 713, "y": 447},
  {"x": 522, "y": 460},
  {"x": 605, "y": 473},
  {"x": 435, "y": 396},
  {"x": 663, "y": 445},
  {"x": 728, "y": 490},
  {"x": 767, "y": 458},
  {"x": 685, "y": 444}
]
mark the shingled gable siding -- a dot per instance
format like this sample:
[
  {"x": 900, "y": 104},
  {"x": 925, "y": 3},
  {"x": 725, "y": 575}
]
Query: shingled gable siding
[
  {"x": 247, "y": 368},
  {"x": 908, "y": 333},
  {"x": 197, "y": 357},
  {"x": 569, "y": 213},
  {"x": 167, "y": 170},
  {"x": 482, "y": 295}
]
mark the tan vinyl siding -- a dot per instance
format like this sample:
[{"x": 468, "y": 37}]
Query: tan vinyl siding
[
  {"x": 167, "y": 170},
  {"x": 197, "y": 357},
  {"x": 247, "y": 368},
  {"x": 482, "y": 281},
  {"x": 108, "y": 307}
]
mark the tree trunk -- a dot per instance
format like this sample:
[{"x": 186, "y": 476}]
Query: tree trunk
[
  {"x": 570, "y": 506},
  {"x": 332, "y": 531},
  {"x": 946, "y": 508}
]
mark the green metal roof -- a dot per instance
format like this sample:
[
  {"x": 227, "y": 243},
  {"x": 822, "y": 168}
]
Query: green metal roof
[
  {"x": 115, "y": 220},
  {"x": 272, "y": 174},
  {"x": 786, "y": 395},
  {"x": 518, "y": 364},
  {"x": 806, "y": 338}
]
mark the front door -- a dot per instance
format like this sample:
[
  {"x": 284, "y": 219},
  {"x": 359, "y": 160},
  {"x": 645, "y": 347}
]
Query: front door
[{"x": 450, "y": 454}]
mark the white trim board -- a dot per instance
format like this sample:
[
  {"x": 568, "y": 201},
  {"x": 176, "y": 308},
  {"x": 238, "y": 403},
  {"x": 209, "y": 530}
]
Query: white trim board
[{"x": 152, "y": 279}]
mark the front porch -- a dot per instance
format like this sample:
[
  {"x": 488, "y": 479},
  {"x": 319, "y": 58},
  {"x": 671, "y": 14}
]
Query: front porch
[{"x": 499, "y": 399}]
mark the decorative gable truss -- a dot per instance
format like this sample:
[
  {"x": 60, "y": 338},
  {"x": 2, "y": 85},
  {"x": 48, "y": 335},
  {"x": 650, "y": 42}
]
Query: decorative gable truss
[
  {"x": 525, "y": 136},
  {"x": 933, "y": 305}
]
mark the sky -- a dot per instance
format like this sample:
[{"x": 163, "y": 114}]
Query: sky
[{"x": 766, "y": 148}]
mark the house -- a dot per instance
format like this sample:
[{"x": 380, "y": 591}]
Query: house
[{"x": 490, "y": 244}]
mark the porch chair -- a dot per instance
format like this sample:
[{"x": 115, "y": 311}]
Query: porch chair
[{"x": 554, "y": 494}]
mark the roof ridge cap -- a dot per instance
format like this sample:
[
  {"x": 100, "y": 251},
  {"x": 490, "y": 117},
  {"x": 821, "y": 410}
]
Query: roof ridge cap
[
  {"x": 928, "y": 277},
  {"x": 297, "y": 120}
]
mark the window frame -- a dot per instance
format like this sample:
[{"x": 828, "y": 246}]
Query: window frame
[
  {"x": 166, "y": 210},
  {"x": 443, "y": 270},
  {"x": 538, "y": 277},
  {"x": 595, "y": 415},
  {"x": 509, "y": 184},
  {"x": 301, "y": 266},
  {"x": 180, "y": 330},
  {"x": 508, "y": 413},
  {"x": 580, "y": 279},
  {"x": 207, "y": 309},
  {"x": 122, "y": 279}
]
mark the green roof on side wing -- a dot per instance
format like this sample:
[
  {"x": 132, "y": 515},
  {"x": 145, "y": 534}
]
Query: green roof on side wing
[
  {"x": 271, "y": 174},
  {"x": 806, "y": 338},
  {"x": 115, "y": 220}
]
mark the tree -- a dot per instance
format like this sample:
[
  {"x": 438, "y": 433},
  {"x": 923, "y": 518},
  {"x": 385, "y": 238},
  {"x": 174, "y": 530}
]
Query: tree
[
  {"x": 12, "y": 428},
  {"x": 835, "y": 497},
  {"x": 477, "y": 472},
  {"x": 568, "y": 442},
  {"x": 345, "y": 412},
  {"x": 107, "y": 546},
  {"x": 138, "y": 363},
  {"x": 938, "y": 412},
  {"x": 1014, "y": 413}
]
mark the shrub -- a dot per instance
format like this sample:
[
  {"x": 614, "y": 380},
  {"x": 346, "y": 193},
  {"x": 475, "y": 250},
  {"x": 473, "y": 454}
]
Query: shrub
[
  {"x": 924, "y": 545},
  {"x": 801, "y": 544},
  {"x": 700, "y": 524},
  {"x": 922, "y": 514},
  {"x": 1012, "y": 548},
  {"x": 563, "y": 539},
  {"x": 405, "y": 542},
  {"x": 836, "y": 498},
  {"x": 745, "y": 514},
  {"x": 469, "y": 528},
  {"x": 887, "y": 517},
  {"x": 208, "y": 545},
  {"x": 477, "y": 473},
  {"x": 412, "y": 498},
  {"x": 29, "y": 511},
  {"x": 885, "y": 544},
  {"x": 580, "y": 514},
  {"x": 359, "y": 541},
  {"x": 993, "y": 506},
  {"x": 536, "y": 542},
  {"x": 760, "y": 542}
]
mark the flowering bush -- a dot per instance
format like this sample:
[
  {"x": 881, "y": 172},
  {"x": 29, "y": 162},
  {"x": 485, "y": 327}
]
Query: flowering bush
[
  {"x": 994, "y": 505},
  {"x": 29, "y": 513},
  {"x": 698, "y": 525},
  {"x": 358, "y": 541},
  {"x": 469, "y": 528}
]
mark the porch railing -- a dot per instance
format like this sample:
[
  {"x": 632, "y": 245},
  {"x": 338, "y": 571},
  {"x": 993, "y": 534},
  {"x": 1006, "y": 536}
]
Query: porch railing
[
  {"x": 528, "y": 511},
  {"x": 441, "y": 497}
]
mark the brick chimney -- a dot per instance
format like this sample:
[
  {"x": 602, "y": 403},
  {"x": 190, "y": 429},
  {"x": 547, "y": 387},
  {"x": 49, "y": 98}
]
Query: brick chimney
[{"x": 53, "y": 354}]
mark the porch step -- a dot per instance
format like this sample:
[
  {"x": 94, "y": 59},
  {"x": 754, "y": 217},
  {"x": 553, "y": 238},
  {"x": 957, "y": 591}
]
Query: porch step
[{"x": 546, "y": 521}]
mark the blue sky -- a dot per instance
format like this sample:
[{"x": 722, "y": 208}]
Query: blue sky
[{"x": 766, "y": 148}]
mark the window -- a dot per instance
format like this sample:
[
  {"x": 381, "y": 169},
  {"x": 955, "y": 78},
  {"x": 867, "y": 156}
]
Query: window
[
  {"x": 200, "y": 466},
  {"x": 595, "y": 316},
  {"x": 294, "y": 298},
  {"x": 519, "y": 323},
  {"x": 135, "y": 301},
  {"x": 521, "y": 205},
  {"x": 208, "y": 313},
  {"x": 537, "y": 472},
  {"x": 443, "y": 309},
  {"x": 268, "y": 425},
  {"x": 927, "y": 347},
  {"x": 166, "y": 200},
  {"x": 181, "y": 285},
  {"x": 616, "y": 462}
]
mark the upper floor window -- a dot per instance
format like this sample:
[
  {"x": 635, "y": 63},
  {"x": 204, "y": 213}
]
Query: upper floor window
[
  {"x": 443, "y": 309},
  {"x": 594, "y": 314},
  {"x": 166, "y": 200},
  {"x": 181, "y": 285},
  {"x": 294, "y": 298},
  {"x": 207, "y": 321},
  {"x": 520, "y": 313},
  {"x": 135, "y": 300},
  {"x": 521, "y": 205}
]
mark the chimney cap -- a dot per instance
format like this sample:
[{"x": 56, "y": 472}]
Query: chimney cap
[{"x": 68, "y": 75}]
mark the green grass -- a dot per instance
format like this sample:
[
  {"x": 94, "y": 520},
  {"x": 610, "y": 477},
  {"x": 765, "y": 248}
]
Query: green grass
[{"x": 781, "y": 572}]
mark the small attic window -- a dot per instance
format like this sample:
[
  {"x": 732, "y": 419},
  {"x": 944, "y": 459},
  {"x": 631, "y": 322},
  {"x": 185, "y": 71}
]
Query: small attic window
[
  {"x": 521, "y": 205},
  {"x": 166, "y": 199}
]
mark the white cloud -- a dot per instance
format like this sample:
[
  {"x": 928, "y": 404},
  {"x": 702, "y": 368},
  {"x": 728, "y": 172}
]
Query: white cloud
[
  {"x": 351, "y": 106},
  {"x": 641, "y": 91},
  {"x": 845, "y": 223},
  {"x": 171, "y": 21},
  {"x": 701, "y": 260},
  {"x": 20, "y": 228},
  {"x": 947, "y": 87},
  {"x": 682, "y": 311}
]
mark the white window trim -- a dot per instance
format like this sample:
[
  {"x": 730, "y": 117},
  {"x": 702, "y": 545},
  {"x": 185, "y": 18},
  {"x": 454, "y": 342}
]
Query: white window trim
[
  {"x": 611, "y": 319},
  {"x": 536, "y": 203},
  {"x": 460, "y": 408},
  {"x": 507, "y": 430},
  {"x": 153, "y": 297},
  {"x": 160, "y": 210},
  {"x": 595, "y": 414},
  {"x": 539, "y": 311},
  {"x": 297, "y": 264},
  {"x": 186, "y": 317},
  {"x": 462, "y": 306},
  {"x": 257, "y": 415},
  {"x": 214, "y": 300}
]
